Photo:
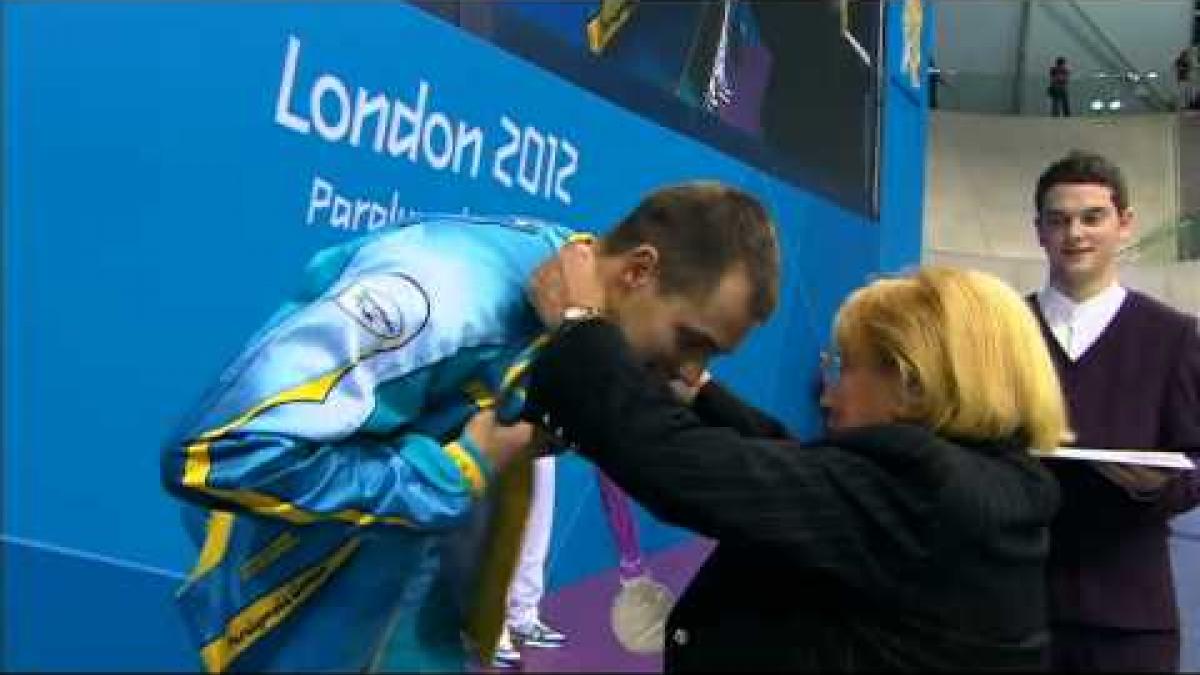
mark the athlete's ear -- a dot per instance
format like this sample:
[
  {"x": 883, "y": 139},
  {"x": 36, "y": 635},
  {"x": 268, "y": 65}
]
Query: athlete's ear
[{"x": 639, "y": 267}]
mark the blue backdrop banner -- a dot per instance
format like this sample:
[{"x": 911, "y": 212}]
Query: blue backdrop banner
[{"x": 168, "y": 170}]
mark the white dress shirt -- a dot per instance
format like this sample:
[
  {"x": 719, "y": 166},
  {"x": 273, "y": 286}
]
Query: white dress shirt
[{"x": 1077, "y": 325}]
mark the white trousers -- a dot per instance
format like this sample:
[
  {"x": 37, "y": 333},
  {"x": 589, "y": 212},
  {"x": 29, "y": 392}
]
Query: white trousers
[{"x": 529, "y": 579}]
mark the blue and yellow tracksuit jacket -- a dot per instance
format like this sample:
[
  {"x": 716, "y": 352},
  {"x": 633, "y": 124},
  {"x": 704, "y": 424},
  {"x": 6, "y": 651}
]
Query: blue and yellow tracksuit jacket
[{"x": 328, "y": 483}]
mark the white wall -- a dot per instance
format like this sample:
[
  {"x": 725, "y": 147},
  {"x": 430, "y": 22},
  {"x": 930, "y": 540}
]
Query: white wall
[
  {"x": 1177, "y": 284},
  {"x": 981, "y": 171}
]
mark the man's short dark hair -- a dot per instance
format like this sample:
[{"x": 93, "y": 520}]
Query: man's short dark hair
[
  {"x": 702, "y": 230},
  {"x": 1083, "y": 168}
]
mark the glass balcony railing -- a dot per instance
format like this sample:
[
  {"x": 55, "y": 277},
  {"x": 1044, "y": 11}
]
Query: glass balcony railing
[
  {"x": 1094, "y": 93},
  {"x": 1189, "y": 238},
  {"x": 1170, "y": 242}
]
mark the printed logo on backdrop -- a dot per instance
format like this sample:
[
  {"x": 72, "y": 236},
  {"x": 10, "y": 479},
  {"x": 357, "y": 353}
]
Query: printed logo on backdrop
[
  {"x": 914, "y": 21},
  {"x": 539, "y": 162}
]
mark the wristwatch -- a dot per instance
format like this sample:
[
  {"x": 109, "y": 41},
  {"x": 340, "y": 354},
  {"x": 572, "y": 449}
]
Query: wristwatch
[
  {"x": 579, "y": 314},
  {"x": 575, "y": 315}
]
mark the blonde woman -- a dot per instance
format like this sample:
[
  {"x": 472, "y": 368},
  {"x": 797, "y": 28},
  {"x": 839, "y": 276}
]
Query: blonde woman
[{"x": 913, "y": 536}]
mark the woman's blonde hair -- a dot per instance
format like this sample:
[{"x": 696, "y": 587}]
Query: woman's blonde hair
[{"x": 970, "y": 357}]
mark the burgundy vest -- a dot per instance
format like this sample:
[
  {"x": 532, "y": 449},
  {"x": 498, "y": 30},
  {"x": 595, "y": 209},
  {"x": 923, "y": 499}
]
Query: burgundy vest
[{"x": 1109, "y": 558}]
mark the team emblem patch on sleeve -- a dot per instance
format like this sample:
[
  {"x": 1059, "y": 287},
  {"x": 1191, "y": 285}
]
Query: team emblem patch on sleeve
[{"x": 392, "y": 307}]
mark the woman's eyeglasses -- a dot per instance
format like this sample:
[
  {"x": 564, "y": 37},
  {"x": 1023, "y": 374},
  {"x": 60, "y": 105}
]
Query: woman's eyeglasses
[{"x": 831, "y": 368}]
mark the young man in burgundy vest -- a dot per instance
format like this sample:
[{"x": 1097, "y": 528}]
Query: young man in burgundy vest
[{"x": 1130, "y": 370}]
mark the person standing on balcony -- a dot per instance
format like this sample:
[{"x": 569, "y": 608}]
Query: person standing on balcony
[
  {"x": 1060, "y": 78},
  {"x": 1183, "y": 79}
]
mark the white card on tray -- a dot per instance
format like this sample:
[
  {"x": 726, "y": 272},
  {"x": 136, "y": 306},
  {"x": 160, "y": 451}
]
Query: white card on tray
[{"x": 1160, "y": 458}]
